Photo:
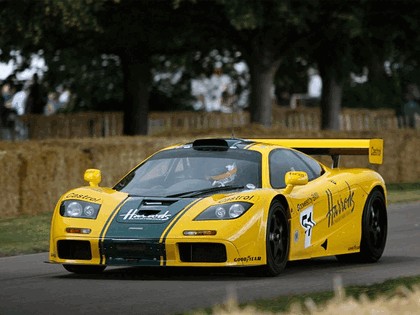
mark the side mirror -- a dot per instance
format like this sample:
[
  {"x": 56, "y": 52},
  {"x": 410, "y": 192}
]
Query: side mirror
[
  {"x": 293, "y": 179},
  {"x": 93, "y": 177}
]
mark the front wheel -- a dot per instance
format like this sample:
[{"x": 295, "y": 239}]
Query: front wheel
[
  {"x": 277, "y": 240},
  {"x": 84, "y": 269}
]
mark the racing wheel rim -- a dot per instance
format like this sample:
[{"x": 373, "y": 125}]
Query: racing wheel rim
[{"x": 277, "y": 239}]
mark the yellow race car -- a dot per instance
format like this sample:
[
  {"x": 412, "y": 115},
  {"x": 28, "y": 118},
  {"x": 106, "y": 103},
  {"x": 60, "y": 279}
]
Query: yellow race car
[{"x": 227, "y": 202}]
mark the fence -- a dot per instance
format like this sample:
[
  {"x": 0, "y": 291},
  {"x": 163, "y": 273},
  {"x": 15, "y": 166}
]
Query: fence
[
  {"x": 304, "y": 119},
  {"x": 98, "y": 124},
  {"x": 75, "y": 125},
  {"x": 349, "y": 119}
]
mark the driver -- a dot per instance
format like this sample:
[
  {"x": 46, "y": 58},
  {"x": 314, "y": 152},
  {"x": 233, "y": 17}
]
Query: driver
[{"x": 222, "y": 176}]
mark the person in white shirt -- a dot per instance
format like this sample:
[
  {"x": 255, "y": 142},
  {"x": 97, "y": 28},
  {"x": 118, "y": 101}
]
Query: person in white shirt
[{"x": 19, "y": 99}]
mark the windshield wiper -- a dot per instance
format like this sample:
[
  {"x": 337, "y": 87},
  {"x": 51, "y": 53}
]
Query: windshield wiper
[{"x": 205, "y": 191}]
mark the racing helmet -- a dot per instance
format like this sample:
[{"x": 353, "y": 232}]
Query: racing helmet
[{"x": 224, "y": 175}]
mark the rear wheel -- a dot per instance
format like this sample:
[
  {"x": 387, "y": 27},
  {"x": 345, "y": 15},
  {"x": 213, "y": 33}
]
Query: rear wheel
[
  {"x": 277, "y": 240},
  {"x": 374, "y": 231},
  {"x": 84, "y": 269}
]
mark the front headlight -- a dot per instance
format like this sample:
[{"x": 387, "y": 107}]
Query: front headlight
[
  {"x": 226, "y": 211},
  {"x": 79, "y": 209}
]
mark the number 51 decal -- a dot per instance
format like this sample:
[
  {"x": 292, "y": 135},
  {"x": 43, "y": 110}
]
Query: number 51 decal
[{"x": 307, "y": 222}]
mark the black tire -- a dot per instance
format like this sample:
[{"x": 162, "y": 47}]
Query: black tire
[
  {"x": 277, "y": 240},
  {"x": 374, "y": 231},
  {"x": 84, "y": 269}
]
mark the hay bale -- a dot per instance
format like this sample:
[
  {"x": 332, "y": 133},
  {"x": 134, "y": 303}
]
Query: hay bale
[
  {"x": 34, "y": 174},
  {"x": 409, "y": 162},
  {"x": 10, "y": 201},
  {"x": 48, "y": 172}
]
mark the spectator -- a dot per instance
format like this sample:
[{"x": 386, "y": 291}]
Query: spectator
[
  {"x": 35, "y": 103},
  {"x": 64, "y": 97},
  {"x": 411, "y": 108},
  {"x": 53, "y": 104},
  {"x": 215, "y": 93},
  {"x": 2, "y": 107},
  {"x": 19, "y": 99},
  {"x": 12, "y": 105},
  {"x": 6, "y": 111}
]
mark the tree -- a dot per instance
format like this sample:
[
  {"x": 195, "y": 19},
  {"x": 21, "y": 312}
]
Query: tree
[
  {"x": 361, "y": 34},
  {"x": 58, "y": 32},
  {"x": 265, "y": 31},
  {"x": 391, "y": 37},
  {"x": 336, "y": 34},
  {"x": 132, "y": 30}
]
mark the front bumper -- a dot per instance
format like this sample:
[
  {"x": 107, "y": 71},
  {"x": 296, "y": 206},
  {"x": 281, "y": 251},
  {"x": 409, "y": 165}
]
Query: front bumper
[{"x": 149, "y": 252}]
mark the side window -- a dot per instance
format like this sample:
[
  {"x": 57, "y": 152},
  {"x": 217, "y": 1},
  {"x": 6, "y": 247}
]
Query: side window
[
  {"x": 284, "y": 160},
  {"x": 314, "y": 170},
  {"x": 281, "y": 161}
]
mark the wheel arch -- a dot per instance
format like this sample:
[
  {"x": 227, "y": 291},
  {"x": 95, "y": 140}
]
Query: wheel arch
[
  {"x": 282, "y": 199},
  {"x": 378, "y": 187},
  {"x": 373, "y": 181}
]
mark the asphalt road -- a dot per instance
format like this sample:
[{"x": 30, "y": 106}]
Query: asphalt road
[{"x": 30, "y": 286}]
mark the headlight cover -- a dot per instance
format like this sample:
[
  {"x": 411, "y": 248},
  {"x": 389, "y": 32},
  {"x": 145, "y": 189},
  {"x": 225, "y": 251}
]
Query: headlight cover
[
  {"x": 226, "y": 211},
  {"x": 79, "y": 209}
]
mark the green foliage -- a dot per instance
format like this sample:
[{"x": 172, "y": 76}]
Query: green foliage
[
  {"x": 95, "y": 79},
  {"x": 382, "y": 94},
  {"x": 80, "y": 39},
  {"x": 75, "y": 15},
  {"x": 291, "y": 78}
]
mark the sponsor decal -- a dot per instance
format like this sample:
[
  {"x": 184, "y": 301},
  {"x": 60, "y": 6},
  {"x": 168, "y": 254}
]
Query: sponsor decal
[
  {"x": 297, "y": 174},
  {"x": 308, "y": 201},
  {"x": 132, "y": 215},
  {"x": 307, "y": 222},
  {"x": 247, "y": 259},
  {"x": 375, "y": 151},
  {"x": 340, "y": 208},
  {"x": 237, "y": 198},
  {"x": 82, "y": 197}
]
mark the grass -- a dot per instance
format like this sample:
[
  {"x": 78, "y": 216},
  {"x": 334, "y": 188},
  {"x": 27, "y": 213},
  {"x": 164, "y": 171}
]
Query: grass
[
  {"x": 386, "y": 289},
  {"x": 403, "y": 192},
  {"x": 25, "y": 234},
  {"x": 304, "y": 303}
]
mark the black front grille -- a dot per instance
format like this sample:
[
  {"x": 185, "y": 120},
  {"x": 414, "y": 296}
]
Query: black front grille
[
  {"x": 68, "y": 249},
  {"x": 138, "y": 249},
  {"x": 202, "y": 252}
]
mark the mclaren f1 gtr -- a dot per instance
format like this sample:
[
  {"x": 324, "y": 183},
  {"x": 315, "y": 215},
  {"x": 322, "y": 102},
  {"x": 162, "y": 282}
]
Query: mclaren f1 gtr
[{"x": 230, "y": 203}]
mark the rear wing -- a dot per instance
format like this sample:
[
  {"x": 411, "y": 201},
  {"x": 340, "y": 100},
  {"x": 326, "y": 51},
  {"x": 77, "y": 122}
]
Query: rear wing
[{"x": 374, "y": 148}]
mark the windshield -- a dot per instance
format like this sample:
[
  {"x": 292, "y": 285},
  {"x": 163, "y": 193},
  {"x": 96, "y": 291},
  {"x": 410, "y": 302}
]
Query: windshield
[{"x": 179, "y": 171}]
